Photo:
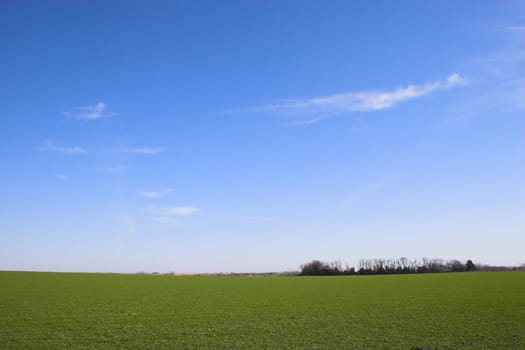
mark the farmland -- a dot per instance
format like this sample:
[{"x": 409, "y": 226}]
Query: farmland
[{"x": 100, "y": 311}]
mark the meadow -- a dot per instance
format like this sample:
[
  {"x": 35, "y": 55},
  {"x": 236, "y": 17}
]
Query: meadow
[{"x": 104, "y": 311}]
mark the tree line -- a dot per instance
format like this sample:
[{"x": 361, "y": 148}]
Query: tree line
[{"x": 386, "y": 267}]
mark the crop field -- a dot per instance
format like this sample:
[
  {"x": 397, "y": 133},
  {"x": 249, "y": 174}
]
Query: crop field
[{"x": 101, "y": 311}]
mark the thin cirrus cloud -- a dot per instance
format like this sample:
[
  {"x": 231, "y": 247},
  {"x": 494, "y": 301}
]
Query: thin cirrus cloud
[
  {"x": 360, "y": 101},
  {"x": 168, "y": 215},
  {"x": 171, "y": 212},
  {"x": 49, "y": 146},
  {"x": 145, "y": 150},
  {"x": 157, "y": 194},
  {"x": 179, "y": 211},
  {"x": 90, "y": 112},
  {"x": 306, "y": 121}
]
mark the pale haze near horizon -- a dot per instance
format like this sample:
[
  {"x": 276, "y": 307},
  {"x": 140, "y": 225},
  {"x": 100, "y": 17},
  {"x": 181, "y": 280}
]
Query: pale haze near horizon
[{"x": 250, "y": 137}]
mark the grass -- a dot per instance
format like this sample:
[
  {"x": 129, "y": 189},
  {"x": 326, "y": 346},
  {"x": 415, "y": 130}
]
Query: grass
[{"x": 101, "y": 311}]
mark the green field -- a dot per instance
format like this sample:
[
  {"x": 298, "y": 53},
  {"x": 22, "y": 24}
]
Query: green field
[{"x": 101, "y": 311}]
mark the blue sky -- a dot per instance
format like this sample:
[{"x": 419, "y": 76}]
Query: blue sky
[{"x": 256, "y": 136}]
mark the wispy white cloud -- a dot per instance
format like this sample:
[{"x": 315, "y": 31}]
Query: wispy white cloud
[
  {"x": 62, "y": 177},
  {"x": 163, "y": 222},
  {"x": 178, "y": 211},
  {"x": 145, "y": 150},
  {"x": 174, "y": 211},
  {"x": 49, "y": 146},
  {"x": 307, "y": 121},
  {"x": 498, "y": 81},
  {"x": 454, "y": 80},
  {"x": 360, "y": 101},
  {"x": 157, "y": 194},
  {"x": 169, "y": 217},
  {"x": 498, "y": 97},
  {"x": 91, "y": 112}
]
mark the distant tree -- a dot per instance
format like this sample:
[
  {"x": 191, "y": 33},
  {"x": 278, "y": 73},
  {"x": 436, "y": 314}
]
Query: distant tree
[
  {"x": 336, "y": 267},
  {"x": 314, "y": 267},
  {"x": 470, "y": 266},
  {"x": 349, "y": 271},
  {"x": 455, "y": 266},
  {"x": 395, "y": 266}
]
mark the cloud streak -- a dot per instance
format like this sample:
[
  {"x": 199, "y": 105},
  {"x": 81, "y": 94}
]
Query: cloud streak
[
  {"x": 49, "y": 146},
  {"x": 498, "y": 88},
  {"x": 170, "y": 216},
  {"x": 360, "y": 101},
  {"x": 157, "y": 194},
  {"x": 180, "y": 211},
  {"x": 145, "y": 150},
  {"x": 307, "y": 121},
  {"x": 90, "y": 112}
]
